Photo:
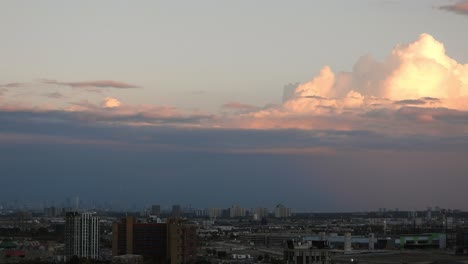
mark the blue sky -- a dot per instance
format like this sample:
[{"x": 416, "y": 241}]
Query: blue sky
[{"x": 382, "y": 87}]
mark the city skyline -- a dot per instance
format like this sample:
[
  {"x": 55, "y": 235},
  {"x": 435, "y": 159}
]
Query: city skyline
[
  {"x": 325, "y": 106},
  {"x": 84, "y": 205}
]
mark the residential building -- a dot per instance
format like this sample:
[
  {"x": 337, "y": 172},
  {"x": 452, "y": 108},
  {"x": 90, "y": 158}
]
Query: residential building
[
  {"x": 215, "y": 212},
  {"x": 81, "y": 235},
  {"x": 282, "y": 212},
  {"x": 173, "y": 242},
  {"x": 176, "y": 211},
  {"x": 236, "y": 211},
  {"x": 261, "y": 212},
  {"x": 182, "y": 241},
  {"x": 156, "y": 210}
]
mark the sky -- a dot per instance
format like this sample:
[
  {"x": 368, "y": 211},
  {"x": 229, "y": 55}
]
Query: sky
[{"x": 318, "y": 105}]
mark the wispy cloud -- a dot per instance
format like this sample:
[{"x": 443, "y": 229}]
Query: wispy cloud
[
  {"x": 238, "y": 106},
  {"x": 411, "y": 102},
  {"x": 460, "y": 7},
  {"x": 93, "y": 84},
  {"x": 12, "y": 85},
  {"x": 55, "y": 95}
]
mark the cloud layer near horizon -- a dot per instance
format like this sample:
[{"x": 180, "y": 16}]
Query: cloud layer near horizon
[
  {"x": 416, "y": 90},
  {"x": 403, "y": 119}
]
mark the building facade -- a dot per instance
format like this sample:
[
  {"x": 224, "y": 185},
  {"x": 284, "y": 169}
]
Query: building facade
[
  {"x": 173, "y": 242},
  {"x": 282, "y": 212},
  {"x": 176, "y": 211},
  {"x": 236, "y": 211},
  {"x": 146, "y": 239},
  {"x": 307, "y": 253},
  {"x": 82, "y": 235},
  {"x": 182, "y": 241},
  {"x": 156, "y": 210}
]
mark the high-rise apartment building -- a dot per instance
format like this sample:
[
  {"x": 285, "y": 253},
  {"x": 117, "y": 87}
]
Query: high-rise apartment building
[
  {"x": 236, "y": 211},
  {"x": 156, "y": 210},
  {"x": 282, "y": 212},
  {"x": 182, "y": 241},
  {"x": 215, "y": 212},
  {"x": 81, "y": 235},
  {"x": 172, "y": 242},
  {"x": 146, "y": 239},
  {"x": 176, "y": 211},
  {"x": 261, "y": 212}
]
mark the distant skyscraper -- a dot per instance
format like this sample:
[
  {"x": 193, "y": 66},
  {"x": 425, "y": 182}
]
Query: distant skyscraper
[
  {"x": 215, "y": 212},
  {"x": 156, "y": 210},
  {"x": 81, "y": 235},
  {"x": 429, "y": 213},
  {"x": 176, "y": 210},
  {"x": 76, "y": 203},
  {"x": 261, "y": 212}
]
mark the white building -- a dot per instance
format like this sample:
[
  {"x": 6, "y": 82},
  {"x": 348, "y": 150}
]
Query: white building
[
  {"x": 261, "y": 212},
  {"x": 214, "y": 212},
  {"x": 81, "y": 235},
  {"x": 282, "y": 212},
  {"x": 236, "y": 211}
]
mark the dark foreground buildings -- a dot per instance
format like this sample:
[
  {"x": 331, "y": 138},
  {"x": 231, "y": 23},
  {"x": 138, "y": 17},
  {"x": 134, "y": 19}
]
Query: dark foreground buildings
[{"x": 172, "y": 242}]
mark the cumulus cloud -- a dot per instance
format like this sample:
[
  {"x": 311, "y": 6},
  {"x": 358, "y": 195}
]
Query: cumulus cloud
[
  {"x": 460, "y": 7},
  {"x": 412, "y": 71},
  {"x": 417, "y": 74},
  {"x": 91, "y": 84},
  {"x": 110, "y": 102}
]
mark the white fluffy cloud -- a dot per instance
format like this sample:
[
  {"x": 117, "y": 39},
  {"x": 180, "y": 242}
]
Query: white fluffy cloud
[
  {"x": 375, "y": 95},
  {"x": 412, "y": 71}
]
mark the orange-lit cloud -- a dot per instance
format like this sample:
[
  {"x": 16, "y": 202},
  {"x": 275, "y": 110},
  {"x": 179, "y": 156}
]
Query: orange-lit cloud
[
  {"x": 418, "y": 74},
  {"x": 110, "y": 102}
]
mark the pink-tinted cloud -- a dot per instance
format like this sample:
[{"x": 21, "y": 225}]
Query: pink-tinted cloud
[
  {"x": 285, "y": 151},
  {"x": 95, "y": 84},
  {"x": 238, "y": 106},
  {"x": 460, "y": 7}
]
